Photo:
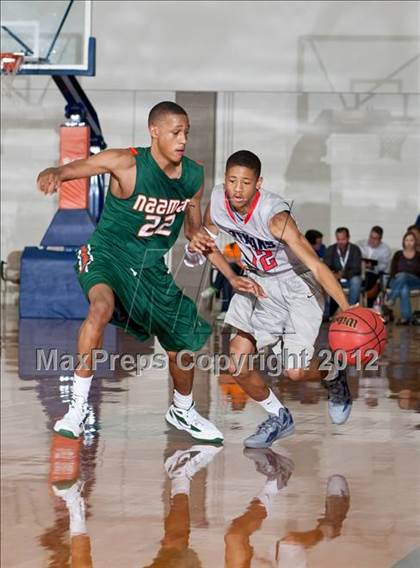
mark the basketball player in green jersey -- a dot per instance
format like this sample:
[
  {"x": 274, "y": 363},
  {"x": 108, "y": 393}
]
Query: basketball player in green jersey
[{"x": 122, "y": 269}]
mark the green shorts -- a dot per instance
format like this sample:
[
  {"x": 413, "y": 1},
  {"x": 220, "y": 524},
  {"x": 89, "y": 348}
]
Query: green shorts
[{"x": 147, "y": 301}]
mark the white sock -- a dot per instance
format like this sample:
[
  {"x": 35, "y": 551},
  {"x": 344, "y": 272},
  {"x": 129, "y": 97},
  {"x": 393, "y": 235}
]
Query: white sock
[
  {"x": 267, "y": 493},
  {"x": 77, "y": 518},
  {"x": 180, "y": 485},
  {"x": 183, "y": 401},
  {"x": 267, "y": 501},
  {"x": 332, "y": 374},
  {"x": 81, "y": 387},
  {"x": 271, "y": 404}
]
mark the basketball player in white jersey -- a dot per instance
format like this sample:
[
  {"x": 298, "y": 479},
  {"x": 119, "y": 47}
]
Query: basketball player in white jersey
[{"x": 280, "y": 302}]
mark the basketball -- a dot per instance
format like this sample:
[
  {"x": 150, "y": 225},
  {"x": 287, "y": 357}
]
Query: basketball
[{"x": 358, "y": 329}]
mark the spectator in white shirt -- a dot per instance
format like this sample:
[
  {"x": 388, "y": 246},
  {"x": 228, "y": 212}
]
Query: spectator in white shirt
[{"x": 376, "y": 256}]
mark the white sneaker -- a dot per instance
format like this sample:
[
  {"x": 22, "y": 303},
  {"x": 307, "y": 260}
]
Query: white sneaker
[
  {"x": 198, "y": 427},
  {"x": 208, "y": 293},
  {"x": 75, "y": 503},
  {"x": 69, "y": 492},
  {"x": 188, "y": 462},
  {"x": 71, "y": 425}
]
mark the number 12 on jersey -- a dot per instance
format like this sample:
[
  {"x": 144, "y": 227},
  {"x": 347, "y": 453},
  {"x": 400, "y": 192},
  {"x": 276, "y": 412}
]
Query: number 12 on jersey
[{"x": 265, "y": 258}]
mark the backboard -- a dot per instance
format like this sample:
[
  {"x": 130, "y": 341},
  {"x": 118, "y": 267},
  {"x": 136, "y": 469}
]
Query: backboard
[
  {"x": 360, "y": 64},
  {"x": 53, "y": 35}
]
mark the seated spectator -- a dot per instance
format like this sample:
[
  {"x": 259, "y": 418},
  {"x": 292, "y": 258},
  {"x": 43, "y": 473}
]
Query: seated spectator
[
  {"x": 416, "y": 230},
  {"x": 376, "y": 256},
  {"x": 232, "y": 253},
  {"x": 405, "y": 276},
  {"x": 314, "y": 238},
  {"x": 345, "y": 260}
]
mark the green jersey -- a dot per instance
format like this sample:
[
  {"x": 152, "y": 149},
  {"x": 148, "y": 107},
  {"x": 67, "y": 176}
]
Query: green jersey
[{"x": 140, "y": 229}]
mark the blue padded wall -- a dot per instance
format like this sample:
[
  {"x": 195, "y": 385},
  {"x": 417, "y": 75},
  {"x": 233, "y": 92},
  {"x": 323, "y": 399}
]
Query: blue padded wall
[
  {"x": 49, "y": 287},
  {"x": 69, "y": 228}
]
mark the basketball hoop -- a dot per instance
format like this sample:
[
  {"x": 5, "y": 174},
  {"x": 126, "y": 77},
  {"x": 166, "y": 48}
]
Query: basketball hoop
[{"x": 10, "y": 65}]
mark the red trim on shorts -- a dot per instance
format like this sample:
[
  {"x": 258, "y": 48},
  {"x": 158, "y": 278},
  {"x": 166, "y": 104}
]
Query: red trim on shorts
[
  {"x": 134, "y": 151},
  {"x": 252, "y": 207}
]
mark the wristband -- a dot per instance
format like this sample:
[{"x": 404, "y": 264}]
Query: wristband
[
  {"x": 192, "y": 259},
  {"x": 212, "y": 235}
]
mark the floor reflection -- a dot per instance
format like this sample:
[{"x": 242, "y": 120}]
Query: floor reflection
[
  {"x": 71, "y": 480},
  {"x": 291, "y": 550},
  {"x": 134, "y": 492},
  {"x": 277, "y": 469},
  {"x": 181, "y": 466}
]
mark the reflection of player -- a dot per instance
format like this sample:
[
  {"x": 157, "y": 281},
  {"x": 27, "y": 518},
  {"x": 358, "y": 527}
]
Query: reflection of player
[
  {"x": 403, "y": 381},
  {"x": 122, "y": 269},
  {"x": 71, "y": 477},
  {"x": 181, "y": 466},
  {"x": 282, "y": 303},
  {"x": 277, "y": 469},
  {"x": 68, "y": 488},
  {"x": 291, "y": 549}
]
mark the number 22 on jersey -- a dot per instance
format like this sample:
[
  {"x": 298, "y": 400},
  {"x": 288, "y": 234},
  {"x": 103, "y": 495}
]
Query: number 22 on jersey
[{"x": 159, "y": 225}]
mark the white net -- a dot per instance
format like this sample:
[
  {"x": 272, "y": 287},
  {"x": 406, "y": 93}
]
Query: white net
[{"x": 391, "y": 145}]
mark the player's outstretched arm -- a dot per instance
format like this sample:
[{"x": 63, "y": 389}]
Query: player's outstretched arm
[
  {"x": 284, "y": 228},
  {"x": 203, "y": 239},
  {"x": 108, "y": 161},
  {"x": 203, "y": 242},
  {"x": 193, "y": 220}
]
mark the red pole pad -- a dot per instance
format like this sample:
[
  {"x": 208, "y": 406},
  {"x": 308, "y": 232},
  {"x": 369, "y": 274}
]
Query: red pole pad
[{"x": 74, "y": 145}]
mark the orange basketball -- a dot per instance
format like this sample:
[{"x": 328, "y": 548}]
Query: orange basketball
[{"x": 358, "y": 329}]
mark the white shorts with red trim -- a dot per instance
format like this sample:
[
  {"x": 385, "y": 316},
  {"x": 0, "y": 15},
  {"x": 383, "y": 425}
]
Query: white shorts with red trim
[{"x": 288, "y": 319}]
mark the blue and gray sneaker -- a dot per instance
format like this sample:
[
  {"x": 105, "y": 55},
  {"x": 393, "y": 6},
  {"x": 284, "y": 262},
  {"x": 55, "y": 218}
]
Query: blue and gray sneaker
[
  {"x": 272, "y": 429},
  {"x": 339, "y": 398}
]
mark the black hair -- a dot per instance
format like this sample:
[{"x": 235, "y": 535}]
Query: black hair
[
  {"x": 246, "y": 159},
  {"x": 378, "y": 230},
  {"x": 413, "y": 228},
  {"x": 343, "y": 230},
  {"x": 312, "y": 235},
  {"x": 165, "y": 107}
]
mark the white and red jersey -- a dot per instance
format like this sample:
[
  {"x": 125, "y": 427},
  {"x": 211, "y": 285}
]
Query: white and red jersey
[{"x": 260, "y": 250}]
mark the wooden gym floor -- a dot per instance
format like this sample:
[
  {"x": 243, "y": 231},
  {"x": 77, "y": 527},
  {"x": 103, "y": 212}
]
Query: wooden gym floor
[{"x": 118, "y": 474}]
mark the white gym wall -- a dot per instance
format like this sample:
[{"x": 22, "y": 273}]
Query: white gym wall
[{"x": 259, "y": 57}]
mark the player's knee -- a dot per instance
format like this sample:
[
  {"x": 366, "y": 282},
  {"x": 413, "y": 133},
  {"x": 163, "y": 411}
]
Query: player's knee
[
  {"x": 232, "y": 368},
  {"x": 295, "y": 374},
  {"x": 172, "y": 356},
  {"x": 238, "y": 372},
  {"x": 100, "y": 312},
  {"x": 180, "y": 359}
]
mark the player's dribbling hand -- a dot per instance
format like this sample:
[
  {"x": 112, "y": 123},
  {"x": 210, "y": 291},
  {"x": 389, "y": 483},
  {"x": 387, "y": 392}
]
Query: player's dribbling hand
[
  {"x": 202, "y": 243},
  {"x": 247, "y": 285},
  {"x": 49, "y": 181},
  {"x": 340, "y": 311}
]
